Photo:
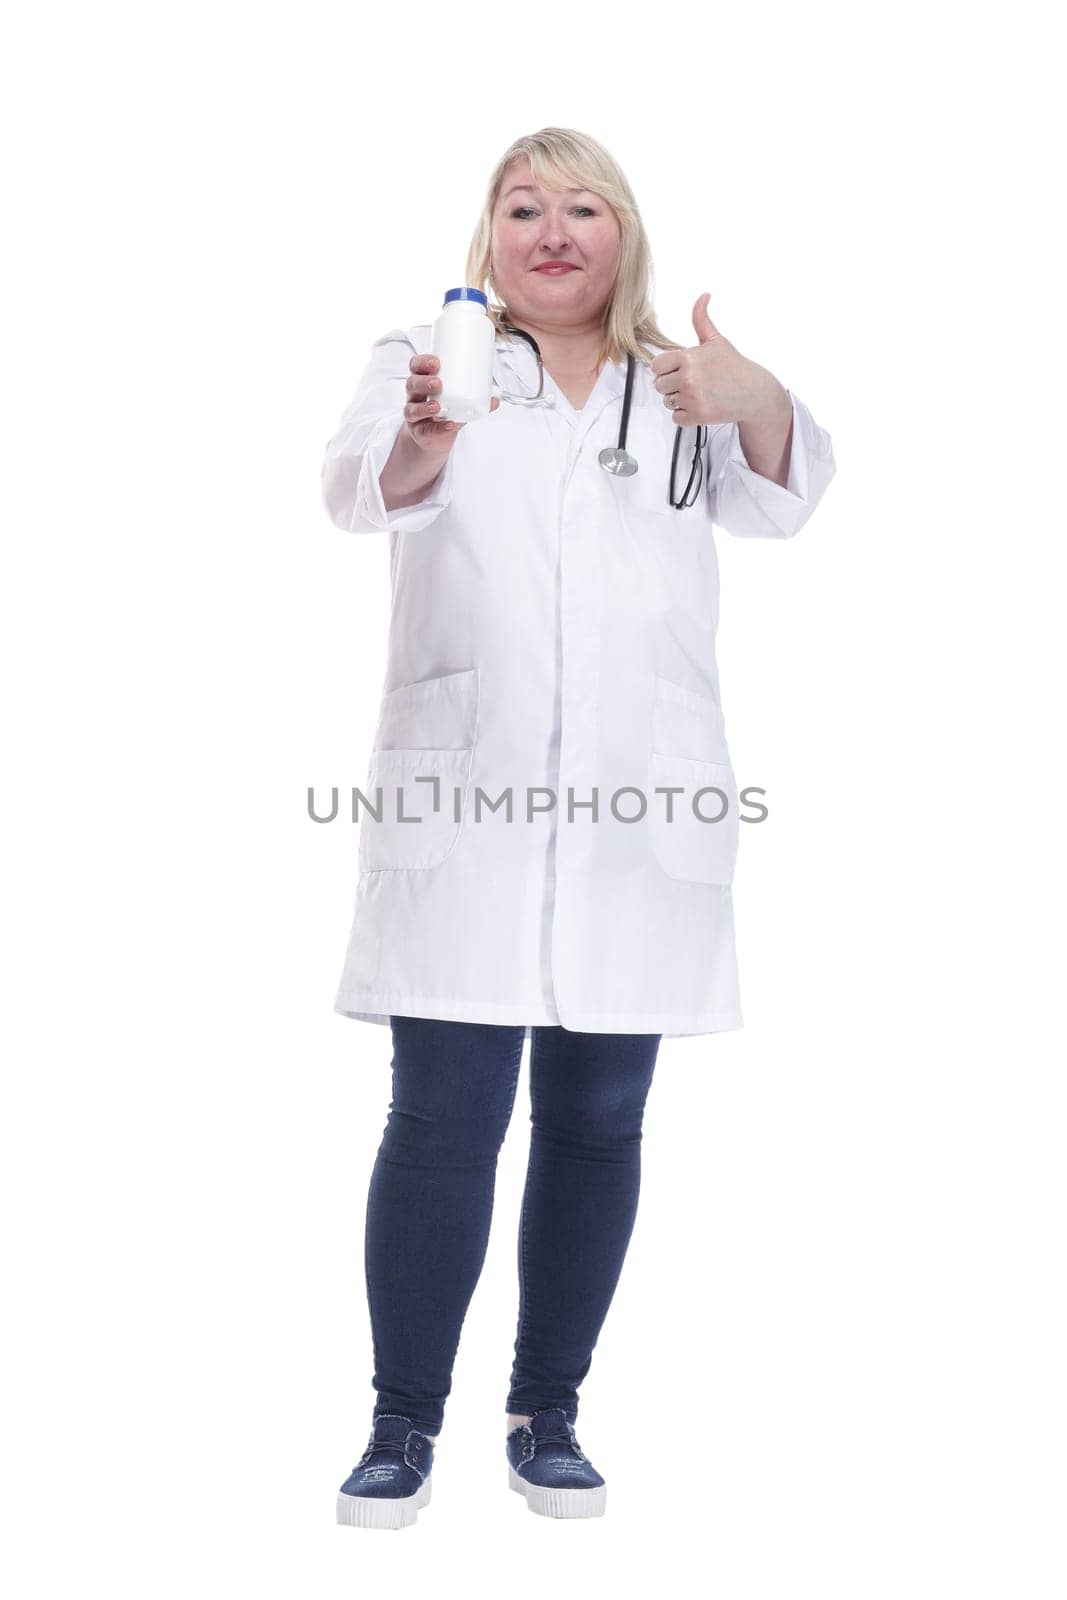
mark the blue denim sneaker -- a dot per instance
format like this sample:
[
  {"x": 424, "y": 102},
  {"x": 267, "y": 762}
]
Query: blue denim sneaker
[
  {"x": 390, "y": 1482},
  {"x": 546, "y": 1464}
]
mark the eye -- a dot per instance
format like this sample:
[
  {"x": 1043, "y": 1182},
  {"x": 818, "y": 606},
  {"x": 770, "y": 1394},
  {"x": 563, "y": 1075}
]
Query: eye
[{"x": 520, "y": 209}]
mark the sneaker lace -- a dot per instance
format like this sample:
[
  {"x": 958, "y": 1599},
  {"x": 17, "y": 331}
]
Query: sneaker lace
[
  {"x": 559, "y": 1438},
  {"x": 376, "y": 1445}
]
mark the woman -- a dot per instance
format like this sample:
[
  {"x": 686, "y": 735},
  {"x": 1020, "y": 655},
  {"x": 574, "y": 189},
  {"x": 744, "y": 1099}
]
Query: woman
[{"x": 550, "y": 721}]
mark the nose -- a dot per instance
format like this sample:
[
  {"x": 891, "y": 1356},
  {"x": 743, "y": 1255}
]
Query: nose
[
  {"x": 558, "y": 251},
  {"x": 554, "y": 240}
]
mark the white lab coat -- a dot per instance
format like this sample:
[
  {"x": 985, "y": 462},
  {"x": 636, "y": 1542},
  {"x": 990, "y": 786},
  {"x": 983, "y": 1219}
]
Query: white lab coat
[{"x": 552, "y": 629}]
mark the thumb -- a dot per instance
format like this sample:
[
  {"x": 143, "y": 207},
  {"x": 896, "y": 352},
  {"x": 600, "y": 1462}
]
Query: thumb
[{"x": 705, "y": 328}]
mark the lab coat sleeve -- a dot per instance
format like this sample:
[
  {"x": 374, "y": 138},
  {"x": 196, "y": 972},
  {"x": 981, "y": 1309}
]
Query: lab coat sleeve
[
  {"x": 358, "y": 451},
  {"x": 744, "y": 502}
]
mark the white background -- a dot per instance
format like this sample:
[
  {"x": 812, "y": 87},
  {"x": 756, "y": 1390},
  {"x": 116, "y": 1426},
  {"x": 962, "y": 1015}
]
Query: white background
[{"x": 831, "y": 1366}]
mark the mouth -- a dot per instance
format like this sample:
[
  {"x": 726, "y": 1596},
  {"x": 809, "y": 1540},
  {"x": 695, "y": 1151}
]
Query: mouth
[{"x": 555, "y": 269}]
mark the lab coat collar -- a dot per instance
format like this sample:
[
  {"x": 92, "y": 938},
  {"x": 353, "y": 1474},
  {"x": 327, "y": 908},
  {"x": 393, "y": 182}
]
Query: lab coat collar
[{"x": 520, "y": 364}]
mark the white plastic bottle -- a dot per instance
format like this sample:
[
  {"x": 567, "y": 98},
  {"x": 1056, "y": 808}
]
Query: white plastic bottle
[{"x": 463, "y": 340}]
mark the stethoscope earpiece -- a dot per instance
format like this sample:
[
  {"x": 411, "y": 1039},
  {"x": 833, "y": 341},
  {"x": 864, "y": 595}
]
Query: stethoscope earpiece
[{"x": 498, "y": 393}]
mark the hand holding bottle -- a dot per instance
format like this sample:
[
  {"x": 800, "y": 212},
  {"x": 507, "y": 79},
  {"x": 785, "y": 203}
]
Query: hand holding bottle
[{"x": 432, "y": 435}]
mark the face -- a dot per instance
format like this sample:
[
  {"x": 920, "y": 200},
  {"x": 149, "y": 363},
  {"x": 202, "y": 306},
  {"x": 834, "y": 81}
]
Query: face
[{"x": 533, "y": 225}]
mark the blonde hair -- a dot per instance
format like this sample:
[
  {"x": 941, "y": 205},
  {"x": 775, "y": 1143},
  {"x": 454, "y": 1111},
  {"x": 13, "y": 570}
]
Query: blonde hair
[{"x": 560, "y": 157}]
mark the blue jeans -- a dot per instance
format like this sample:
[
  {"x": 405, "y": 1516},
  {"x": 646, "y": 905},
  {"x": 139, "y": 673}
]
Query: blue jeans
[{"x": 430, "y": 1203}]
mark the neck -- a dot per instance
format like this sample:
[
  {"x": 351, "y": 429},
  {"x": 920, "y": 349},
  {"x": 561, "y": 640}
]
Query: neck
[{"x": 574, "y": 348}]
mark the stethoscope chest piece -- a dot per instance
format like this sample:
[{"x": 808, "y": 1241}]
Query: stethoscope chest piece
[{"x": 620, "y": 463}]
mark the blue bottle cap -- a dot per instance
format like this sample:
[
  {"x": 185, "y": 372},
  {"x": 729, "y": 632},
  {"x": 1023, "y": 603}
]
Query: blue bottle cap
[{"x": 466, "y": 294}]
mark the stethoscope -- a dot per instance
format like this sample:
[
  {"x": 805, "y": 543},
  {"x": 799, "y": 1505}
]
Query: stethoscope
[{"x": 616, "y": 459}]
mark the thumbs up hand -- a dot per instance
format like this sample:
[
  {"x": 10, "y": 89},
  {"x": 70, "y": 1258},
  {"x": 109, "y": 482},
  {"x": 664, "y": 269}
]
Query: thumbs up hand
[{"x": 714, "y": 382}]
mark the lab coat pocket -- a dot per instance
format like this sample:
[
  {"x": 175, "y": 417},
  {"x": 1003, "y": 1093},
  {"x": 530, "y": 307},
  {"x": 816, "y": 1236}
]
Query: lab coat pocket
[
  {"x": 693, "y": 831},
  {"x": 420, "y": 797},
  {"x": 419, "y": 770}
]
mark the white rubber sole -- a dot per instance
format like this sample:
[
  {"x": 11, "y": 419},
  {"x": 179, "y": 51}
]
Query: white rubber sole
[
  {"x": 560, "y": 1502},
  {"x": 376, "y": 1511}
]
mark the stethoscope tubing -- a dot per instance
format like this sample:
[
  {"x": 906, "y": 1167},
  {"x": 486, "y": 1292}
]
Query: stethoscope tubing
[{"x": 618, "y": 460}]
